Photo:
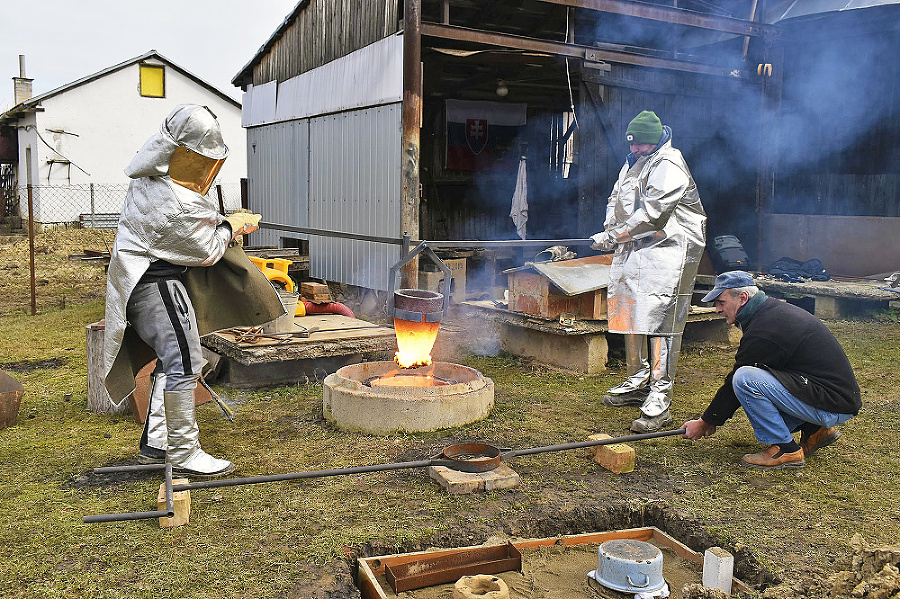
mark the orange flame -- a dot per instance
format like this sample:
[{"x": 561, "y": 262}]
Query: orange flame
[{"x": 414, "y": 342}]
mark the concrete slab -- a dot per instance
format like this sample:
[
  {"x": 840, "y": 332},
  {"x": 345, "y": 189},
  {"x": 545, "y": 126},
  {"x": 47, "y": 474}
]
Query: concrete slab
[
  {"x": 334, "y": 341},
  {"x": 836, "y": 298},
  {"x": 582, "y": 345},
  {"x": 463, "y": 483}
]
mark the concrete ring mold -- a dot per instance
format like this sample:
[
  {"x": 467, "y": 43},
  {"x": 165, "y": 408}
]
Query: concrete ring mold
[{"x": 350, "y": 404}]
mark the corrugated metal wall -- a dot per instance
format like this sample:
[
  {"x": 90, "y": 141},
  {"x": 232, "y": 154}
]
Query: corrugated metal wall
[
  {"x": 278, "y": 169},
  {"x": 355, "y": 187},
  {"x": 338, "y": 172}
]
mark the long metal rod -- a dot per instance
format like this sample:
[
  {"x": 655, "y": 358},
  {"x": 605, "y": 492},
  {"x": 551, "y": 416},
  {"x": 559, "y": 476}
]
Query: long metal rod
[
  {"x": 30, "y": 230},
  {"x": 579, "y": 444},
  {"x": 170, "y": 499},
  {"x": 252, "y": 480},
  {"x": 212, "y": 484},
  {"x": 466, "y": 244}
]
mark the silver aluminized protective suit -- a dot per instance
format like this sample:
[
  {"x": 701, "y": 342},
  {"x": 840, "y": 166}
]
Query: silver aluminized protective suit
[
  {"x": 656, "y": 223},
  {"x": 162, "y": 220}
]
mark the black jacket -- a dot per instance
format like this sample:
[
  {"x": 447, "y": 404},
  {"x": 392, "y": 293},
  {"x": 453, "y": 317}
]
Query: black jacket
[{"x": 801, "y": 352}]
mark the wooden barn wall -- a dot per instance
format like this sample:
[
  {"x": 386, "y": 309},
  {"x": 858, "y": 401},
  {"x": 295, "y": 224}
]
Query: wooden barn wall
[
  {"x": 840, "y": 125},
  {"x": 715, "y": 124},
  {"x": 464, "y": 205},
  {"x": 325, "y": 30}
]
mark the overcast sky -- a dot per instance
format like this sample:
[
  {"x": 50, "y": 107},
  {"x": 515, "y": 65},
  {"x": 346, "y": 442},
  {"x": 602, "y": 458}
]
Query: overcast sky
[{"x": 65, "y": 40}]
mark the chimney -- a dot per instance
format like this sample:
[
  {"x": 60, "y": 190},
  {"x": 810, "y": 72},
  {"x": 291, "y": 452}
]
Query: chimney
[{"x": 21, "y": 84}]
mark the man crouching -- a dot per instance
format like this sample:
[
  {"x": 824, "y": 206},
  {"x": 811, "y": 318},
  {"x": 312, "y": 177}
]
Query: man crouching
[{"x": 790, "y": 374}]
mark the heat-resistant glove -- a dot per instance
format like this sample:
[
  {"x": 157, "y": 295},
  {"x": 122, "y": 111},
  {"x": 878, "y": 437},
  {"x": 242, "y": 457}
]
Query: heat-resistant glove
[
  {"x": 603, "y": 241},
  {"x": 243, "y": 222}
]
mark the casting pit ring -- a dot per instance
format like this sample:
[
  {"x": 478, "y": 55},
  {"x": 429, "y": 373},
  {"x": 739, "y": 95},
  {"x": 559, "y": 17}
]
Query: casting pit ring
[{"x": 349, "y": 403}]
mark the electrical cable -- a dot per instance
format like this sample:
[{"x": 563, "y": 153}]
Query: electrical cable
[{"x": 38, "y": 133}]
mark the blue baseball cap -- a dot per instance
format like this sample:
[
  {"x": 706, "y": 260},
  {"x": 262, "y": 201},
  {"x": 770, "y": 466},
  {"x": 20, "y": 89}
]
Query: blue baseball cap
[{"x": 729, "y": 280}]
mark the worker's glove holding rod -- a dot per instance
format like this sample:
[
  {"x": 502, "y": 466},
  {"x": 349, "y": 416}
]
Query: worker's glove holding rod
[
  {"x": 243, "y": 223},
  {"x": 698, "y": 429},
  {"x": 603, "y": 241}
]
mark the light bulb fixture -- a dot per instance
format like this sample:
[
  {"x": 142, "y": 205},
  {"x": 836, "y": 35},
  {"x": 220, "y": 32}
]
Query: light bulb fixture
[{"x": 502, "y": 90}]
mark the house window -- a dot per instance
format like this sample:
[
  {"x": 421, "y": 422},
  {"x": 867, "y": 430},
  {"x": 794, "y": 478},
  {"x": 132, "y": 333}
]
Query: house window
[{"x": 153, "y": 81}]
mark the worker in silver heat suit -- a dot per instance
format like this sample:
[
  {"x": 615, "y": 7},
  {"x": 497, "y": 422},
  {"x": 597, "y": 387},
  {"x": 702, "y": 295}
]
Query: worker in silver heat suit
[
  {"x": 657, "y": 226},
  {"x": 166, "y": 227}
]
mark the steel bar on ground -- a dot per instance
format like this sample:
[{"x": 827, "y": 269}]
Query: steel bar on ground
[
  {"x": 579, "y": 444},
  {"x": 170, "y": 500},
  {"x": 251, "y": 480},
  {"x": 212, "y": 484}
]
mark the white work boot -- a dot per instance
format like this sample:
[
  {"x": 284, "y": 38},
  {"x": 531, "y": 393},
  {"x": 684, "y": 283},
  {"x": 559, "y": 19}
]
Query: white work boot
[
  {"x": 154, "y": 439},
  {"x": 655, "y": 408},
  {"x": 184, "y": 452},
  {"x": 634, "y": 390},
  {"x": 652, "y": 424}
]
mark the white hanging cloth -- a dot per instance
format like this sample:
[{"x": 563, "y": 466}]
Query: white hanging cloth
[{"x": 519, "y": 210}]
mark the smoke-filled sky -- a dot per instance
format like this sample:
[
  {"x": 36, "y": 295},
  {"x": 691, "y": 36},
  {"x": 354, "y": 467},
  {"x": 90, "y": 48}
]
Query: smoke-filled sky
[{"x": 64, "y": 41}]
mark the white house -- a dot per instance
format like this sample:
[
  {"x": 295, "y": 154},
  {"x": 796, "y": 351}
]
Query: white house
[{"x": 75, "y": 141}]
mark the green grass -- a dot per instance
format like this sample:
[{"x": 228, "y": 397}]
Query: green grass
[{"x": 268, "y": 540}]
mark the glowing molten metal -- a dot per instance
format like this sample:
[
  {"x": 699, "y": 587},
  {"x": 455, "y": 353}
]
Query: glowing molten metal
[
  {"x": 417, "y": 316},
  {"x": 414, "y": 342}
]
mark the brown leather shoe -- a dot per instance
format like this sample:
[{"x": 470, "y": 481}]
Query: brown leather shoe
[
  {"x": 821, "y": 438},
  {"x": 772, "y": 458}
]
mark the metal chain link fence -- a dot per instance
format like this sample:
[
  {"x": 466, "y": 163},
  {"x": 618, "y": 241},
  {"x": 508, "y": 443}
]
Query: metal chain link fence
[
  {"x": 74, "y": 229},
  {"x": 92, "y": 205}
]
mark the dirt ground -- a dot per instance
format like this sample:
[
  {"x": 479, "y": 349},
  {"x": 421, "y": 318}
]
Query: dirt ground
[{"x": 792, "y": 534}]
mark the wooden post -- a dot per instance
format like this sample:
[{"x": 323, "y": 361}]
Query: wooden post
[
  {"x": 412, "y": 121},
  {"x": 99, "y": 401}
]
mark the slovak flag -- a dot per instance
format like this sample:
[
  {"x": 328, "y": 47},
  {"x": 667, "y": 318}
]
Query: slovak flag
[{"x": 478, "y": 133}]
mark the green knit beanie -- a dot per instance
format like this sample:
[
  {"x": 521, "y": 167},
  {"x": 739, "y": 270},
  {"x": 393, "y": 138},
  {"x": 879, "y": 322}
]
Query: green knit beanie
[{"x": 645, "y": 128}]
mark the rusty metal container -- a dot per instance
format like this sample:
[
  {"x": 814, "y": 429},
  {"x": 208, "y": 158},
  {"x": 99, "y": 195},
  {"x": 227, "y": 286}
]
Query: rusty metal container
[
  {"x": 11, "y": 392},
  {"x": 418, "y": 305}
]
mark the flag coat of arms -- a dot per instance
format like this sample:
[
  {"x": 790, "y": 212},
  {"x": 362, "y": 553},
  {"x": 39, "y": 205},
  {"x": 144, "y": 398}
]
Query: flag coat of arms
[{"x": 479, "y": 132}]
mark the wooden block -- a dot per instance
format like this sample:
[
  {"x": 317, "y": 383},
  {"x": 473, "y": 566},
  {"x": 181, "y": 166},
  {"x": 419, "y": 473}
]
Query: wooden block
[
  {"x": 181, "y": 502},
  {"x": 618, "y": 458},
  {"x": 313, "y": 291},
  {"x": 463, "y": 483}
]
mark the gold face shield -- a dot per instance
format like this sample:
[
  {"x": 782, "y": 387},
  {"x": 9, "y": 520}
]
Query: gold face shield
[{"x": 194, "y": 171}]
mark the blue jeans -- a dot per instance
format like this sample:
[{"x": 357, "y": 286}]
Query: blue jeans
[{"x": 773, "y": 412}]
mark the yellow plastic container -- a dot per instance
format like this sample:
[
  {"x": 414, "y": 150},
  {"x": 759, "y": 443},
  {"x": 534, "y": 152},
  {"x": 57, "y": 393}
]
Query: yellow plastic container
[{"x": 276, "y": 270}]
